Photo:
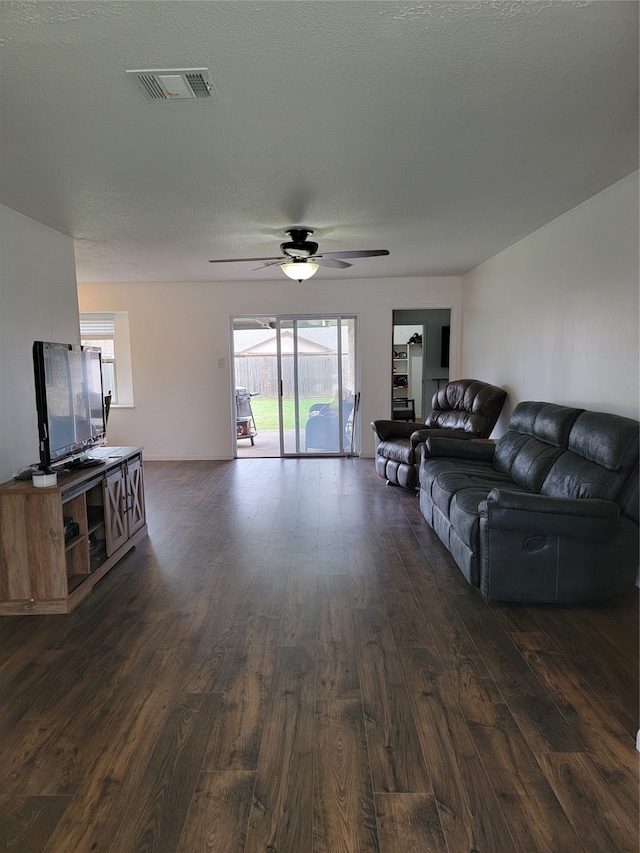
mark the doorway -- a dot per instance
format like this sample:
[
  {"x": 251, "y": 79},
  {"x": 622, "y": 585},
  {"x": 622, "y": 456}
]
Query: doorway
[
  {"x": 300, "y": 373},
  {"x": 421, "y": 341}
]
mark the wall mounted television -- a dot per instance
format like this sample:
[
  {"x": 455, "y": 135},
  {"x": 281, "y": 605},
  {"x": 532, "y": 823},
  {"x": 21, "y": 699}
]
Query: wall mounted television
[{"x": 70, "y": 403}]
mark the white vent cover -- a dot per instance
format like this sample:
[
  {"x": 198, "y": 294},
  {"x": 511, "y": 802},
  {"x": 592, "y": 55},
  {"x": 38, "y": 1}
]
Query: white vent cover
[{"x": 173, "y": 84}]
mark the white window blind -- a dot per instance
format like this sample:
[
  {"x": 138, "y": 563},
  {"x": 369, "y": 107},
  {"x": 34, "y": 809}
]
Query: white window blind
[
  {"x": 109, "y": 330},
  {"x": 97, "y": 326}
]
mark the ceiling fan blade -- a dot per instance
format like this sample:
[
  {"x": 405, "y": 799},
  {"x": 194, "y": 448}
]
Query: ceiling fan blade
[
  {"x": 270, "y": 262},
  {"x": 330, "y": 262},
  {"x": 240, "y": 260},
  {"x": 366, "y": 253}
]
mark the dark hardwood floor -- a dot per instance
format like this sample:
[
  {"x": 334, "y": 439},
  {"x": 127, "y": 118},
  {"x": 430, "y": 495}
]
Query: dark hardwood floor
[{"x": 292, "y": 663}]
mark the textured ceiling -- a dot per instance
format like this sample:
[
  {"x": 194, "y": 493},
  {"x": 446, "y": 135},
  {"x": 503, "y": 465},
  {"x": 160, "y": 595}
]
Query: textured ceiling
[{"x": 442, "y": 131}]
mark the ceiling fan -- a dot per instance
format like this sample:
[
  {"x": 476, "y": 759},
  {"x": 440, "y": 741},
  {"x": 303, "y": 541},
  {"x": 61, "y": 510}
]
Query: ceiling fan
[{"x": 300, "y": 258}]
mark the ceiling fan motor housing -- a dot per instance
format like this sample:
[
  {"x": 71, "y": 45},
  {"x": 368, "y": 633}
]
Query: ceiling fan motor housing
[{"x": 299, "y": 247}]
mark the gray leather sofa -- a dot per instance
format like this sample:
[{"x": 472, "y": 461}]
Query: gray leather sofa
[
  {"x": 547, "y": 514},
  {"x": 463, "y": 408}
]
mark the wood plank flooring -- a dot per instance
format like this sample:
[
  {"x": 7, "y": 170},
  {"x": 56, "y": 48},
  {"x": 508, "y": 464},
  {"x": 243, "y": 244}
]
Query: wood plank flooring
[{"x": 292, "y": 663}]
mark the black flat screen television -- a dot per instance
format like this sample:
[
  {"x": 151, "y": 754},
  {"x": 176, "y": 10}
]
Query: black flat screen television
[{"x": 69, "y": 400}]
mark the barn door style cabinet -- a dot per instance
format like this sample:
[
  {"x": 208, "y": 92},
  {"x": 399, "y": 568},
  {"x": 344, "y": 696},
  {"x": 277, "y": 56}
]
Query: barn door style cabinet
[
  {"x": 57, "y": 543},
  {"x": 123, "y": 503}
]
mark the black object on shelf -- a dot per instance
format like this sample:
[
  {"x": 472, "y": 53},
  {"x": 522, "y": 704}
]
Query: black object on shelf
[{"x": 71, "y": 528}]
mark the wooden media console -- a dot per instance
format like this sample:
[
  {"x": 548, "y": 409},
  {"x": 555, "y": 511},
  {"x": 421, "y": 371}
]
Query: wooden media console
[{"x": 42, "y": 570}]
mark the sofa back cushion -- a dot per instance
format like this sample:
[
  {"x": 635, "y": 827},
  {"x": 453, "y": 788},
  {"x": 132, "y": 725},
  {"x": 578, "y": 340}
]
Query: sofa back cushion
[
  {"x": 467, "y": 404},
  {"x": 537, "y": 436},
  {"x": 601, "y": 461}
]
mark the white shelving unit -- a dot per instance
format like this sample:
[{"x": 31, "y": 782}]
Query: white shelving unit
[{"x": 407, "y": 374}]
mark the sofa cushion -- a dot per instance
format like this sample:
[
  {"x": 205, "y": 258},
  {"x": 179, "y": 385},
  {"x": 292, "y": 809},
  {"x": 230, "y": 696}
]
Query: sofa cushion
[
  {"x": 537, "y": 436},
  {"x": 608, "y": 440},
  {"x": 603, "y": 451},
  {"x": 482, "y": 472},
  {"x": 464, "y": 515},
  {"x": 573, "y": 476},
  {"x": 448, "y": 483},
  {"x": 532, "y": 464}
]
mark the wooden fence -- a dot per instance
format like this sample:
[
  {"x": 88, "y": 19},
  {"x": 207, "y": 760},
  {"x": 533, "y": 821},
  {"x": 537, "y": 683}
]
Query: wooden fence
[{"x": 317, "y": 374}]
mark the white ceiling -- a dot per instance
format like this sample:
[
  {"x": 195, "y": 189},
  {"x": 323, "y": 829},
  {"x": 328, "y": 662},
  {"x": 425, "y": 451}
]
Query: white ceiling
[{"x": 442, "y": 131}]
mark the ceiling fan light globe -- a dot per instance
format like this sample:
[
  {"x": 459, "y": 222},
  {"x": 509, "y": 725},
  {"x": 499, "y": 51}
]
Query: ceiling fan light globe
[{"x": 299, "y": 270}]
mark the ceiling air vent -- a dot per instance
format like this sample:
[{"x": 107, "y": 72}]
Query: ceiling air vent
[{"x": 173, "y": 84}]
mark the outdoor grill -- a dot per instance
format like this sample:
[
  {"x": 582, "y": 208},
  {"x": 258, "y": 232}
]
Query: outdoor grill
[{"x": 245, "y": 424}]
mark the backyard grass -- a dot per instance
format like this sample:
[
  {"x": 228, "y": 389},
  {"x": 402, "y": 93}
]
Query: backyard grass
[{"x": 265, "y": 410}]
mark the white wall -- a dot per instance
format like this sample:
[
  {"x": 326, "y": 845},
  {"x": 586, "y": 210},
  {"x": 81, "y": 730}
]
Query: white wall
[
  {"x": 38, "y": 301},
  {"x": 555, "y": 317},
  {"x": 183, "y": 401}
]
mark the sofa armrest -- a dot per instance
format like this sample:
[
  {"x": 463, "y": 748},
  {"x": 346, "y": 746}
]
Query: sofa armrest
[
  {"x": 388, "y": 430},
  {"x": 592, "y": 519},
  {"x": 459, "y": 448}
]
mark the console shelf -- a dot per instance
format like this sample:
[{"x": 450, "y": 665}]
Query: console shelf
[{"x": 40, "y": 572}]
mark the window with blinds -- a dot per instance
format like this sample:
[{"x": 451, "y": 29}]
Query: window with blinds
[{"x": 98, "y": 330}]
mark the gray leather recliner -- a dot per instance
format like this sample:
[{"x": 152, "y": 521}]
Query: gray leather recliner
[{"x": 464, "y": 408}]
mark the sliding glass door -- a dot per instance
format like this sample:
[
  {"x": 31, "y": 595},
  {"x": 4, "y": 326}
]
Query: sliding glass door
[{"x": 317, "y": 385}]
